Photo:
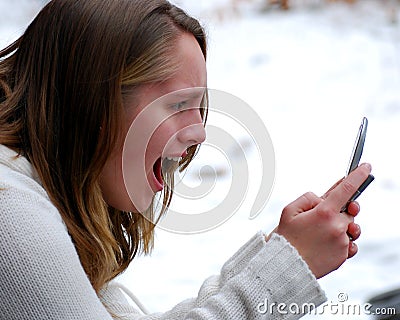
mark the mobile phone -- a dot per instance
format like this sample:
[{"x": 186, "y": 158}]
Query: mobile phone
[{"x": 355, "y": 160}]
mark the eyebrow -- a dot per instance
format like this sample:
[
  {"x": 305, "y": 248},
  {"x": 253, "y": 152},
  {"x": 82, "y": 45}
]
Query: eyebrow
[{"x": 189, "y": 93}]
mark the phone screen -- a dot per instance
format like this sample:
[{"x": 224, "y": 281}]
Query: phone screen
[
  {"x": 358, "y": 146},
  {"x": 355, "y": 160}
]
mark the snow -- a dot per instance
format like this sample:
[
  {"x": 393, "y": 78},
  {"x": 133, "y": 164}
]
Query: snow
[{"x": 311, "y": 74}]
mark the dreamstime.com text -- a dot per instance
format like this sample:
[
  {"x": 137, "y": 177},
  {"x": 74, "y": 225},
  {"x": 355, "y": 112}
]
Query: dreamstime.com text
[{"x": 341, "y": 307}]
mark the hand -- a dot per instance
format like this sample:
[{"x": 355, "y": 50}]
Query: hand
[{"x": 317, "y": 229}]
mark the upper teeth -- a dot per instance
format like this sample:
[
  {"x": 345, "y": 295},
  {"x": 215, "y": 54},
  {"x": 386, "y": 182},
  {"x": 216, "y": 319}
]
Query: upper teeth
[{"x": 174, "y": 158}]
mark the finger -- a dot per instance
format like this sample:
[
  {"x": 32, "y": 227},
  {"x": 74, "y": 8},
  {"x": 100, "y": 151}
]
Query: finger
[
  {"x": 353, "y": 231},
  {"x": 347, "y": 218},
  {"x": 304, "y": 203},
  {"x": 326, "y": 194},
  {"x": 353, "y": 208},
  {"x": 353, "y": 249},
  {"x": 339, "y": 196}
]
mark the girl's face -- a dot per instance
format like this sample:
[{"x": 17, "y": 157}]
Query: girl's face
[{"x": 163, "y": 120}]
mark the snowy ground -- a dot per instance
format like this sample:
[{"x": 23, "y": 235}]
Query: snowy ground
[{"x": 311, "y": 74}]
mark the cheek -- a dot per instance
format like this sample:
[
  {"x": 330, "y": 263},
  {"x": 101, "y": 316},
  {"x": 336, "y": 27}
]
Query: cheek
[
  {"x": 162, "y": 137},
  {"x": 124, "y": 182}
]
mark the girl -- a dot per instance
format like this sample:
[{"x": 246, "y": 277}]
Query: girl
[{"x": 70, "y": 88}]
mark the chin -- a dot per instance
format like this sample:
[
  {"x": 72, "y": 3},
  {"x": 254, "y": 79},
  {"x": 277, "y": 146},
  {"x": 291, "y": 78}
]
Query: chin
[
  {"x": 127, "y": 205},
  {"x": 141, "y": 204}
]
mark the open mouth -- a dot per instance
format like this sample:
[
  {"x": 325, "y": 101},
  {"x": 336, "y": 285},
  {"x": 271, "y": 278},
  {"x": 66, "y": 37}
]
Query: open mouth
[
  {"x": 163, "y": 166},
  {"x": 157, "y": 169}
]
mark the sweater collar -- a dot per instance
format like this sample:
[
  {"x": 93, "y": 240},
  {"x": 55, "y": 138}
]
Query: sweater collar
[{"x": 16, "y": 162}]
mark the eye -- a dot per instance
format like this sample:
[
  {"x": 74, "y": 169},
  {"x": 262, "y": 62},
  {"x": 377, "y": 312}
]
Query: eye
[{"x": 179, "y": 106}]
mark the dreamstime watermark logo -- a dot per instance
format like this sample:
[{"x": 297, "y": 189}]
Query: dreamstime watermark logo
[
  {"x": 237, "y": 126},
  {"x": 341, "y": 307}
]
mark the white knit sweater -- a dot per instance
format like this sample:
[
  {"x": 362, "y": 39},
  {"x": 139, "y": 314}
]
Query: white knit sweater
[{"x": 41, "y": 276}]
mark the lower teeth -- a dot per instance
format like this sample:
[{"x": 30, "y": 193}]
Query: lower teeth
[{"x": 169, "y": 165}]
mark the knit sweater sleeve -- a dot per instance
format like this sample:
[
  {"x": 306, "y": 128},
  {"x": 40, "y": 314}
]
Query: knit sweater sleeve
[
  {"x": 42, "y": 277},
  {"x": 252, "y": 284}
]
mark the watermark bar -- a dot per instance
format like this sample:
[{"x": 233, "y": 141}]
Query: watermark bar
[{"x": 341, "y": 307}]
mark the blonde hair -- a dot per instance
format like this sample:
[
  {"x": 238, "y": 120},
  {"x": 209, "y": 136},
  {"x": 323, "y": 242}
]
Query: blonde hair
[{"x": 63, "y": 80}]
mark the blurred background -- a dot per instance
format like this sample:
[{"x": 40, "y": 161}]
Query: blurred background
[{"x": 311, "y": 69}]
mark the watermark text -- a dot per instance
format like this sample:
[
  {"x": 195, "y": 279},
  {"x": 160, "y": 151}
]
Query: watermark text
[{"x": 340, "y": 307}]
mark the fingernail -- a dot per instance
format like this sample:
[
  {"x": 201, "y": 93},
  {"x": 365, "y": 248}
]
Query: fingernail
[{"x": 368, "y": 166}]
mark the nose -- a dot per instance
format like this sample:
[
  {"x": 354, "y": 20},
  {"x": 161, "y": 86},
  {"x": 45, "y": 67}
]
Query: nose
[{"x": 193, "y": 133}]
